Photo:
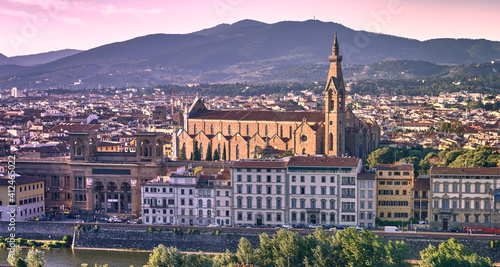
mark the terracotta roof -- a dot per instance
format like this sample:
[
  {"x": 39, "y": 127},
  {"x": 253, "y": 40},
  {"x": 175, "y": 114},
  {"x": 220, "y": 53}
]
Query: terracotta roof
[
  {"x": 259, "y": 164},
  {"x": 20, "y": 180},
  {"x": 322, "y": 161},
  {"x": 389, "y": 167},
  {"x": 422, "y": 184},
  {"x": 366, "y": 176},
  {"x": 465, "y": 171},
  {"x": 75, "y": 127},
  {"x": 253, "y": 115}
]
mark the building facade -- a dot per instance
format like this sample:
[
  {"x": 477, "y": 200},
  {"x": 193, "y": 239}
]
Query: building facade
[
  {"x": 394, "y": 184},
  {"x": 336, "y": 131},
  {"x": 28, "y": 193},
  {"x": 462, "y": 197},
  {"x": 367, "y": 200},
  {"x": 420, "y": 199}
]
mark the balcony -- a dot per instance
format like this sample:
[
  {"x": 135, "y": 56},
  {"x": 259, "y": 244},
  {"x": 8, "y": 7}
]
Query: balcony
[
  {"x": 445, "y": 210},
  {"x": 348, "y": 196},
  {"x": 312, "y": 210},
  {"x": 348, "y": 210}
]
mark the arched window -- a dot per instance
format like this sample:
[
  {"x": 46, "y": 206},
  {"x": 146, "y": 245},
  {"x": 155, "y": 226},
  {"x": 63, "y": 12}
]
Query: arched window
[
  {"x": 237, "y": 151},
  {"x": 209, "y": 213},
  {"x": 194, "y": 128},
  {"x": 209, "y": 203},
  {"x": 79, "y": 151},
  {"x": 212, "y": 129},
  {"x": 339, "y": 143},
  {"x": 313, "y": 203},
  {"x": 248, "y": 129},
  {"x": 281, "y": 131},
  {"x": 218, "y": 148},
  {"x": 200, "y": 213},
  {"x": 229, "y": 129},
  {"x": 290, "y": 131},
  {"x": 266, "y": 131},
  {"x": 330, "y": 142},
  {"x": 146, "y": 152},
  {"x": 360, "y": 151},
  {"x": 200, "y": 203}
]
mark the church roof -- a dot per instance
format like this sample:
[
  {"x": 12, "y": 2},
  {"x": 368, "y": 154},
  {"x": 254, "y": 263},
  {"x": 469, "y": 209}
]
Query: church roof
[{"x": 254, "y": 115}]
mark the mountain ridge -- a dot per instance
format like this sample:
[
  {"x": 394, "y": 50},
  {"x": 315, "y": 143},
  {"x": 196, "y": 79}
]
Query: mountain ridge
[{"x": 243, "y": 51}]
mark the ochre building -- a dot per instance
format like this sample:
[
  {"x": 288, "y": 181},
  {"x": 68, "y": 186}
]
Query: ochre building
[{"x": 335, "y": 131}]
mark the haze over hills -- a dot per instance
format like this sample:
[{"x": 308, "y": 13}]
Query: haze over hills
[
  {"x": 246, "y": 51},
  {"x": 37, "y": 59}
]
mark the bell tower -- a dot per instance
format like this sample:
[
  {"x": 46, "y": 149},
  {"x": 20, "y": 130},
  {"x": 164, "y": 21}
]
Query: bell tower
[{"x": 335, "y": 109}]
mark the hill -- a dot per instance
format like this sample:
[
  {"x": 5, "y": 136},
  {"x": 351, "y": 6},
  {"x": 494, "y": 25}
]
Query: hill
[{"x": 246, "y": 51}]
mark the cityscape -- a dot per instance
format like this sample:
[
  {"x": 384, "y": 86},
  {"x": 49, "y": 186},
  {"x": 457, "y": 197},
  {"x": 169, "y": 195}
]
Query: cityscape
[{"x": 245, "y": 145}]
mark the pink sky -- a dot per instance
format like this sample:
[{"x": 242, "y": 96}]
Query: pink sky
[{"x": 34, "y": 26}]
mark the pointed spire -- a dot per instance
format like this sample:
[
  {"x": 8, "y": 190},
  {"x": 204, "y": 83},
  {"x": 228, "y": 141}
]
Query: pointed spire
[{"x": 335, "y": 48}]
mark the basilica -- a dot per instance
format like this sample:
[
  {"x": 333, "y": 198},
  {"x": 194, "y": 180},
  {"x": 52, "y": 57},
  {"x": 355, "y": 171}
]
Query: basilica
[{"x": 236, "y": 134}]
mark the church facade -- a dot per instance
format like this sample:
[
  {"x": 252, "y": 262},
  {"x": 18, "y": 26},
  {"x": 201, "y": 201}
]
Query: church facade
[{"x": 336, "y": 131}]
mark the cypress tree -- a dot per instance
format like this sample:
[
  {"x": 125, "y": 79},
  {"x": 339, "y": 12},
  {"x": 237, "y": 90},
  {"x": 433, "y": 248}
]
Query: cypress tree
[
  {"x": 224, "y": 153},
  {"x": 208, "y": 157}
]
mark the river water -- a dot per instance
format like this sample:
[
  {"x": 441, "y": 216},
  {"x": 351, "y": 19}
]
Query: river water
[{"x": 67, "y": 257}]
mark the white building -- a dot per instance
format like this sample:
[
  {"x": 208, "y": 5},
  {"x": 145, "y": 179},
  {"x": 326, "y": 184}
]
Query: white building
[
  {"x": 223, "y": 199},
  {"x": 367, "y": 206},
  {"x": 259, "y": 196},
  {"x": 14, "y": 92}
]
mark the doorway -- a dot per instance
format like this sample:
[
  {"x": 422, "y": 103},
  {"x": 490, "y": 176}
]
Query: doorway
[
  {"x": 313, "y": 219},
  {"x": 445, "y": 224},
  {"x": 259, "y": 219}
]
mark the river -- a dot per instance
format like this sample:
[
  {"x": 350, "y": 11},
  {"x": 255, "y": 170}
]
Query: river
[{"x": 66, "y": 257}]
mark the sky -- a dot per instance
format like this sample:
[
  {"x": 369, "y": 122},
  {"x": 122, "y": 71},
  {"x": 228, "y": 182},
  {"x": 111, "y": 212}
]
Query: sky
[{"x": 35, "y": 26}]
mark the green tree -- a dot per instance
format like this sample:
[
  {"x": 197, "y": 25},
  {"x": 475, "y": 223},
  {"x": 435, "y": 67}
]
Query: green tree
[
  {"x": 245, "y": 252},
  {"x": 35, "y": 258},
  {"x": 12, "y": 260},
  {"x": 287, "y": 153},
  {"x": 164, "y": 257},
  {"x": 182, "y": 152},
  {"x": 208, "y": 157},
  {"x": 383, "y": 155},
  {"x": 397, "y": 253},
  {"x": 216, "y": 156},
  {"x": 456, "y": 127},
  {"x": 286, "y": 252},
  {"x": 452, "y": 253},
  {"x": 228, "y": 259},
  {"x": 20, "y": 263},
  {"x": 224, "y": 158},
  {"x": 196, "y": 151},
  {"x": 444, "y": 127}
]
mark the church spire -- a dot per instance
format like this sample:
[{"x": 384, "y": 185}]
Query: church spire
[{"x": 335, "y": 48}]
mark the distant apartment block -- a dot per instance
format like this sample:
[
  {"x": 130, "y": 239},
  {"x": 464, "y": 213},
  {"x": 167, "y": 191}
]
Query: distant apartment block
[{"x": 28, "y": 196}]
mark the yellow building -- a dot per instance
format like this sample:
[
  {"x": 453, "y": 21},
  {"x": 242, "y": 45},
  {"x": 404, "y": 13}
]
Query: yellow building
[
  {"x": 109, "y": 147},
  {"x": 394, "y": 184},
  {"x": 29, "y": 198}
]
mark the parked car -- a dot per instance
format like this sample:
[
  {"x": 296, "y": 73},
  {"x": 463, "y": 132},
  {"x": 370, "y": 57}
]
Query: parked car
[
  {"x": 214, "y": 225},
  {"x": 287, "y": 226},
  {"x": 300, "y": 226},
  {"x": 454, "y": 230},
  {"x": 312, "y": 226},
  {"x": 392, "y": 229},
  {"x": 246, "y": 226}
]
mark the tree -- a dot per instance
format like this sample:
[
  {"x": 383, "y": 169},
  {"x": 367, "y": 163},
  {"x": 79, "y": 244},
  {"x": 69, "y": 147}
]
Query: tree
[
  {"x": 227, "y": 259},
  {"x": 216, "y": 156},
  {"x": 224, "y": 158},
  {"x": 444, "y": 127},
  {"x": 192, "y": 156},
  {"x": 196, "y": 151},
  {"x": 165, "y": 257},
  {"x": 208, "y": 156},
  {"x": 245, "y": 252},
  {"x": 35, "y": 258},
  {"x": 383, "y": 155},
  {"x": 451, "y": 253},
  {"x": 20, "y": 263},
  {"x": 12, "y": 260},
  {"x": 287, "y": 153},
  {"x": 182, "y": 153}
]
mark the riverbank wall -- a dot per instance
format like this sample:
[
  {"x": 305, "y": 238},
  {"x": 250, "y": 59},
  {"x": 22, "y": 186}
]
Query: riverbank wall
[{"x": 210, "y": 240}]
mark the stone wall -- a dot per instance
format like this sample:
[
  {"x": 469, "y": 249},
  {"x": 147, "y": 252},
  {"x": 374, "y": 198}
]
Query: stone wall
[
  {"x": 38, "y": 230},
  {"x": 141, "y": 238}
]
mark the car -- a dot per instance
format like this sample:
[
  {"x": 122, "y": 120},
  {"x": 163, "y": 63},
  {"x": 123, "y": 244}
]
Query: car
[
  {"x": 300, "y": 226},
  {"x": 312, "y": 226},
  {"x": 246, "y": 226},
  {"x": 287, "y": 226},
  {"x": 214, "y": 225},
  {"x": 454, "y": 230}
]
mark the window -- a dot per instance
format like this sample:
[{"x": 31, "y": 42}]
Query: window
[
  {"x": 269, "y": 189},
  {"x": 332, "y": 204},
  {"x": 436, "y": 188},
  {"x": 323, "y": 190},
  {"x": 361, "y": 184},
  {"x": 370, "y": 193},
  {"x": 477, "y": 205},
  {"x": 361, "y": 204},
  {"x": 294, "y": 203},
  {"x": 323, "y": 179},
  {"x": 476, "y": 217},
  {"x": 278, "y": 217},
  {"x": 467, "y": 188},
  {"x": 323, "y": 204},
  {"x": 269, "y": 178},
  {"x": 370, "y": 184},
  {"x": 332, "y": 179},
  {"x": 294, "y": 190},
  {"x": 238, "y": 178},
  {"x": 249, "y": 216},
  {"x": 313, "y": 179},
  {"x": 454, "y": 204},
  {"x": 239, "y": 189},
  {"x": 259, "y": 202},
  {"x": 239, "y": 202},
  {"x": 302, "y": 179},
  {"x": 302, "y": 190},
  {"x": 313, "y": 203},
  {"x": 259, "y": 178},
  {"x": 389, "y": 182},
  {"x": 370, "y": 204},
  {"x": 467, "y": 217},
  {"x": 294, "y": 179},
  {"x": 302, "y": 203},
  {"x": 278, "y": 203},
  {"x": 348, "y": 181},
  {"x": 467, "y": 204},
  {"x": 259, "y": 189},
  {"x": 332, "y": 217},
  {"x": 381, "y": 182},
  {"x": 249, "y": 189},
  {"x": 332, "y": 190},
  {"x": 478, "y": 188},
  {"x": 239, "y": 216},
  {"x": 278, "y": 179},
  {"x": 445, "y": 188},
  {"x": 269, "y": 203},
  {"x": 249, "y": 178},
  {"x": 278, "y": 190},
  {"x": 269, "y": 216},
  {"x": 313, "y": 190},
  {"x": 436, "y": 204}
]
